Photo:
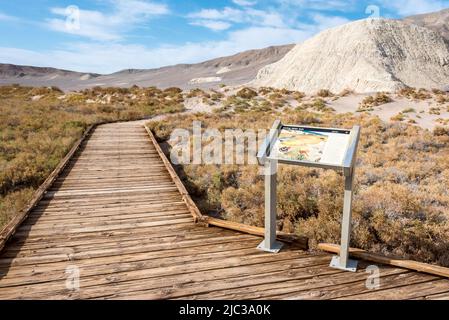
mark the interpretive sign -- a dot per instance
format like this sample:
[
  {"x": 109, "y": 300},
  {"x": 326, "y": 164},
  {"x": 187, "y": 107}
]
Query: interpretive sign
[
  {"x": 311, "y": 144},
  {"x": 326, "y": 148}
]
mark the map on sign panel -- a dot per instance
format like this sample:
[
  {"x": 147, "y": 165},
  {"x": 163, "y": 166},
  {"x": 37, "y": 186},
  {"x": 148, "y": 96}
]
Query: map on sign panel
[{"x": 324, "y": 146}]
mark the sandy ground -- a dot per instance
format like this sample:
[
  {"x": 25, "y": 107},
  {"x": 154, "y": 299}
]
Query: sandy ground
[
  {"x": 385, "y": 112},
  {"x": 195, "y": 105},
  {"x": 348, "y": 104}
]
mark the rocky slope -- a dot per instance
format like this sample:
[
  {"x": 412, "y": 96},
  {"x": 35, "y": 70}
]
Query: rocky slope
[
  {"x": 365, "y": 56},
  {"x": 436, "y": 21}
]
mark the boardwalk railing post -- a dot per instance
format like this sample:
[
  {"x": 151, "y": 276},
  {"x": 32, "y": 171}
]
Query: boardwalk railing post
[{"x": 270, "y": 244}]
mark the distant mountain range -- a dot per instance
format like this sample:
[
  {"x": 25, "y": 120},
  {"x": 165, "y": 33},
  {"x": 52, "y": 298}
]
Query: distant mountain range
[{"x": 233, "y": 70}]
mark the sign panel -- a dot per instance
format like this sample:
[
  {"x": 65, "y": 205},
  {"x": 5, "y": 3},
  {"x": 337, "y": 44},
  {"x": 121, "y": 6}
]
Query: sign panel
[
  {"x": 325, "y": 148},
  {"x": 316, "y": 145}
]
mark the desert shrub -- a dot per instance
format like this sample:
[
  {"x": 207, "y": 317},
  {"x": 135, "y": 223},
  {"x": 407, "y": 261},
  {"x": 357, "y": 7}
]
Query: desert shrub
[
  {"x": 437, "y": 91},
  {"x": 398, "y": 117},
  {"x": 172, "y": 91},
  {"x": 246, "y": 93},
  {"x": 198, "y": 93},
  {"x": 435, "y": 111},
  {"x": 441, "y": 131},
  {"x": 346, "y": 92},
  {"x": 317, "y": 104},
  {"x": 442, "y": 121},
  {"x": 265, "y": 90},
  {"x": 442, "y": 99},
  {"x": 370, "y": 102},
  {"x": 275, "y": 96},
  {"x": 285, "y": 92},
  {"x": 324, "y": 93},
  {"x": 412, "y": 93},
  {"x": 216, "y": 96},
  {"x": 382, "y": 98},
  {"x": 298, "y": 96}
]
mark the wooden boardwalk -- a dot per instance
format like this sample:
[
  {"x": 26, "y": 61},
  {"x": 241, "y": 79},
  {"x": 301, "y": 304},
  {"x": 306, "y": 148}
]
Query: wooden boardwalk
[{"x": 116, "y": 216}]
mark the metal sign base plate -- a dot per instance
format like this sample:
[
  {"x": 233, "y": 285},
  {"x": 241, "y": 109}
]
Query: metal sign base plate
[
  {"x": 277, "y": 246},
  {"x": 352, "y": 264}
]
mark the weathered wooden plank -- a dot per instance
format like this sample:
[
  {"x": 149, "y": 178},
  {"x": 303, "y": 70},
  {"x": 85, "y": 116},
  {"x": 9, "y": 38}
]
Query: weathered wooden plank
[
  {"x": 66, "y": 230},
  {"x": 407, "y": 291},
  {"x": 158, "y": 234},
  {"x": 59, "y": 226},
  {"x": 71, "y": 255},
  {"x": 153, "y": 230},
  {"x": 390, "y": 279},
  {"x": 215, "y": 265},
  {"x": 111, "y": 265},
  {"x": 17, "y": 250}
]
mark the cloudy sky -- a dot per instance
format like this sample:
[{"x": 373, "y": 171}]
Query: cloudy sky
[{"x": 109, "y": 35}]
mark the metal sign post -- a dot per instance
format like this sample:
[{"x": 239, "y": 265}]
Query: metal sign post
[
  {"x": 325, "y": 148},
  {"x": 269, "y": 244},
  {"x": 343, "y": 262}
]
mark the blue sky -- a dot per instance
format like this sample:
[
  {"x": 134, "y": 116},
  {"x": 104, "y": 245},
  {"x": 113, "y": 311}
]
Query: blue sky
[{"x": 109, "y": 35}]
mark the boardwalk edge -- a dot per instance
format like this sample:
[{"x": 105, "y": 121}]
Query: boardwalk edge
[
  {"x": 10, "y": 228},
  {"x": 397, "y": 262}
]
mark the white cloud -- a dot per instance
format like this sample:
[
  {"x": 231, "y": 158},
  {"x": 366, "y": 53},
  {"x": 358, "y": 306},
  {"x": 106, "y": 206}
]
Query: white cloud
[
  {"x": 97, "y": 25},
  {"x": 244, "y": 3},
  {"x": 249, "y": 16},
  {"x": 412, "y": 7},
  {"x": 212, "y": 24},
  {"x": 5, "y": 17},
  {"x": 260, "y": 37},
  {"x": 325, "y": 22},
  {"x": 324, "y": 5},
  {"x": 227, "y": 13}
]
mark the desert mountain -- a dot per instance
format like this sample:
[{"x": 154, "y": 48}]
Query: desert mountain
[
  {"x": 437, "y": 21},
  {"x": 233, "y": 70},
  {"x": 25, "y": 74},
  {"x": 365, "y": 56}
]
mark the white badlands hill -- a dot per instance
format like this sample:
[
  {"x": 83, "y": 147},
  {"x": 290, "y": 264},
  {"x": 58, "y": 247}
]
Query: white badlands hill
[{"x": 365, "y": 56}]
